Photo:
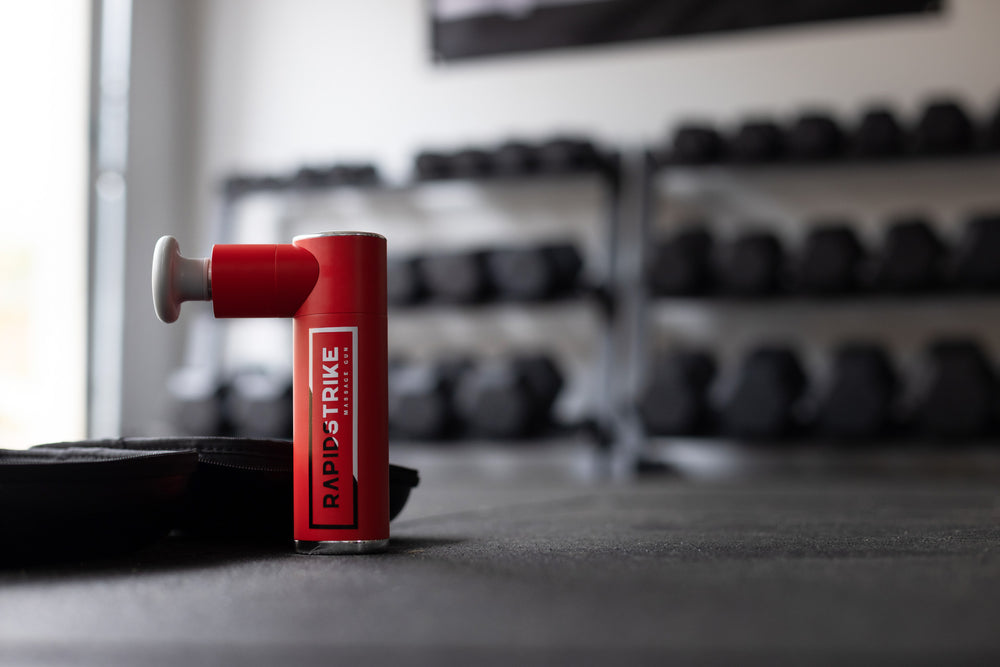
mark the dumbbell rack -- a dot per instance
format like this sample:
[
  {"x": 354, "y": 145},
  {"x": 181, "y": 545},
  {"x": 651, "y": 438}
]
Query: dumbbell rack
[
  {"x": 742, "y": 191},
  {"x": 405, "y": 213}
]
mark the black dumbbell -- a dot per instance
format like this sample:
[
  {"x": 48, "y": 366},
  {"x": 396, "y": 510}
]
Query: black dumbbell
[
  {"x": 696, "y": 144},
  {"x": 456, "y": 277},
  {"x": 508, "y": 398},
  {"x": 354, "y": 174},
  {"x": 514, "y": 158},
  {"x": 259, "y": 403},
  {"x": 878, "y": 135},
  {"x": 957, "y": 395},
  {"x": 675, "y": 400},
  {"x": 544, "y": 378},
  {"x": 309, "y": 178},
  {"x": 472, "y": 163},
  {"x": 271, "y": 183},
  {"x": 681, "y": 265},
  {"x": 829, "y": 261},
  {"x": 432, "y": 165},
  {"x": 763, "y": 399},
  {"x": 977, "y": 257},
  {"x": 944, "y": 128},
  {"x": 568, "y": 154},
  {"x": 815, "y": 136},
  {"x": 404, "y": 282},
  {"x": 197, "y": 398},
  {"x": 421, "y": 399},
  {"x": 911, "y": 258},
  {"x": 860, "y": 395},
  {"x": 534, "y": 273},
  {"x": 757, "y": 141},
  {"x": 751, "y": 265}
]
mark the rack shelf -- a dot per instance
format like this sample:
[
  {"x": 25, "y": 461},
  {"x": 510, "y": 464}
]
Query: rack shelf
[{"x": 780, "y": 192}]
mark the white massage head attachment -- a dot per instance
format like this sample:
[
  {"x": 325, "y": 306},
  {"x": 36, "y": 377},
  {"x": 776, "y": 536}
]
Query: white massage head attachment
[{"x": 178, "y": 279}]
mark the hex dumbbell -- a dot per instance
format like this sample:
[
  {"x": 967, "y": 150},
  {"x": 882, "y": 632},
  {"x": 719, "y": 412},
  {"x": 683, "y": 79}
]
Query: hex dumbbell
[
  {"x": 815, "y": 136},
  {"x": 432, "y": 165},
  {"x": 675, "y": 400},
  {"x": 829, "y": 262},
  {"x": 568, "y": 154},
  {"x": 421, "y": 399},
  {"x": 977, "y": 258},
  {"x": 535, "y": 272},
  {"x": 514, "y": 158},
  {"x": 859, "y": 398},
  {"x": 879, "y": 135},
  {"x": 508, "y": 398},
  {"x": 751, "y": 265},
  {"x": 957, "y": 395},
  {"x": 757, "y": 141},
  {"x": 313, "y": 177},
  {"x": 762, "y": 400},
  {"x": 911, "y": 258},
  {"x": 944, "y": 128},
  {"x": 472, "y": 163},
  {"x": 455, "y": 276},
  {"x": 681, "y": 265},
  {"x": 696, "y": 144},
  {"x": 355, "y": 174},
  {"x": 404, "y": 281},
  {"x": 544, "y": 378}
]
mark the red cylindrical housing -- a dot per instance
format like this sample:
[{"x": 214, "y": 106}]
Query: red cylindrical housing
[
  {"x": 341, "y": 442},
  {"x": 261, "y": 280}
]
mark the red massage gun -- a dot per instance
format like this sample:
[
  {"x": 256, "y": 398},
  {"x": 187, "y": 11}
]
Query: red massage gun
[{"x": 333, "y": 286}]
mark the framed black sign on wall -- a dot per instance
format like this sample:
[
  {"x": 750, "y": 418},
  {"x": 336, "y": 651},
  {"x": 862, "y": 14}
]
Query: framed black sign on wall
[{"x": 462, "y": 29}]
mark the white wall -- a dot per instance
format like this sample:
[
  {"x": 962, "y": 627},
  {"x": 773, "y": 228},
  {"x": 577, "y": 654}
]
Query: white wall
[
  {"x": 160, "y": 195},
  {"x": 300, "y": 80}
]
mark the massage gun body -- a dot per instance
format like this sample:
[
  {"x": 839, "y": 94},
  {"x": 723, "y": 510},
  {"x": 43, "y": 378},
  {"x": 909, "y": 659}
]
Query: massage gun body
[{"x": 333, "y": 286}]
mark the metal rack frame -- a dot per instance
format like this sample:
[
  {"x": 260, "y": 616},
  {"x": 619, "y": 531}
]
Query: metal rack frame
[{"x": 205, "y": 341}]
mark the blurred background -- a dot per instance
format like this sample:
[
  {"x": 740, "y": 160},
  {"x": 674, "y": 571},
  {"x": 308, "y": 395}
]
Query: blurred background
[{"x": 625, "y": 236}]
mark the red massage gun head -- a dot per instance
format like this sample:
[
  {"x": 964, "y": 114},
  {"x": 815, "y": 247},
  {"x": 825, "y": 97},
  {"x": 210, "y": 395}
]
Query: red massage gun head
[
  {"x": 330, "y": 272},
  {"x": 241, "y": 280}
]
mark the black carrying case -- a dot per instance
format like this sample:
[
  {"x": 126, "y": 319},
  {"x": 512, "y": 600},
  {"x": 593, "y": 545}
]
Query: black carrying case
[{"x": 106, "y": 496}]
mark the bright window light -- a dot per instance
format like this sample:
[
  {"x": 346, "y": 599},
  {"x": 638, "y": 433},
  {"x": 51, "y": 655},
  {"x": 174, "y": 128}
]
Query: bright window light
[{"x": 44, "y": 74}]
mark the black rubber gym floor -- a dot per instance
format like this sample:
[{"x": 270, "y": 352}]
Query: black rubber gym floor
[{"x": 538, "y": 569}]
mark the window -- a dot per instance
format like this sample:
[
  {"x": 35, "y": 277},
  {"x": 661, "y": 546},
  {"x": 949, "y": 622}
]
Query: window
[{"x": 44, "y": 74}]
